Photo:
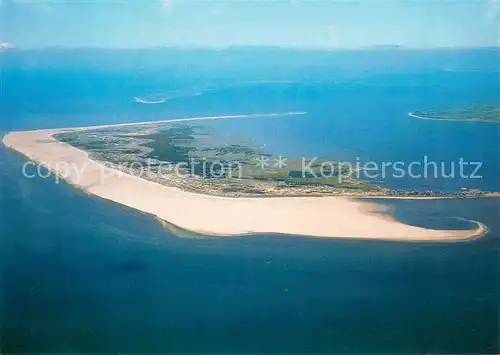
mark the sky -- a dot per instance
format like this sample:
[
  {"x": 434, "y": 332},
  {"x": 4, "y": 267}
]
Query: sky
[{"x": 222, "y": 23}]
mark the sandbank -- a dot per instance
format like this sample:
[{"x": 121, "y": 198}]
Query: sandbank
[{"x": 337, "y": 217}]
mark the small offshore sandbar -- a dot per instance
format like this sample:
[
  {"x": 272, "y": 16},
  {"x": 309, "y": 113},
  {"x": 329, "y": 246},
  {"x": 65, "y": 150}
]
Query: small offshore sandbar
[
  {"x": 334, "y": 216},
  {"x": 434, "y": 117}
]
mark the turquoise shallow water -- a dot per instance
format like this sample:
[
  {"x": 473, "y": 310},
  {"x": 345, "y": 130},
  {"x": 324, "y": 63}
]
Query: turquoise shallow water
[{"x": 82, "y": 275}]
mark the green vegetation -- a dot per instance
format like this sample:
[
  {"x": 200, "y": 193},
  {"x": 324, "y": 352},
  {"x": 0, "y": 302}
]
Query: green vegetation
[
  {"x": 229, "y": 163},
  {"x": 172, "y": 145}
]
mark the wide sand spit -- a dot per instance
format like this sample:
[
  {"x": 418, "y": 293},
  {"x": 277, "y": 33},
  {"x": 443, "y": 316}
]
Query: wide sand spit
[{"x": 337, "y": 217}]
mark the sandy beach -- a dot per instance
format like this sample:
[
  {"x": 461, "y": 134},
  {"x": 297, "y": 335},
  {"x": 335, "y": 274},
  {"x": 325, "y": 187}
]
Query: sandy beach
[{"x": 338, "y": 217}]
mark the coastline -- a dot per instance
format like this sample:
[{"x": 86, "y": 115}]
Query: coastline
[
  {"x": 333, "y": 216},
  {"x": 414, "y": 115},
  {"x": 177, "y": 120}
]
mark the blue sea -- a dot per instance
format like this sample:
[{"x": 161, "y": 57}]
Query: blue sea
[{"x": 83, "y": 275}]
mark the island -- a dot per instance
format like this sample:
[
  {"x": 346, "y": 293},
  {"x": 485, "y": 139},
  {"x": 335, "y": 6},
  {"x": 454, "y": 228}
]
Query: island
[
  {"x": 490, "y": 114},
  {"x": 182, "y": 172}
]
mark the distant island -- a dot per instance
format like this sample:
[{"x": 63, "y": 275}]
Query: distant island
[
  {"x": 5, "y": 46},
  {"x": 489, "y": 114}
]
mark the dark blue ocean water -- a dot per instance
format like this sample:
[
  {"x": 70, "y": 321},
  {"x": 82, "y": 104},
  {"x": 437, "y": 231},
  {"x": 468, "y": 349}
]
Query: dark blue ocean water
[{"x": 82, "y": 275}]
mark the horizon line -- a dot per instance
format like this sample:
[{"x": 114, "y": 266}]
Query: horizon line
[{"x": 251, "y": 46}]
